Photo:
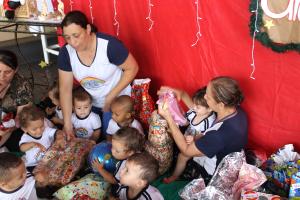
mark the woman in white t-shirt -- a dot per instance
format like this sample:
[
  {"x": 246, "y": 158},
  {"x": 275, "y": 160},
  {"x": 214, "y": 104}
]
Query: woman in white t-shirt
[{"x": 99, "y": 62}]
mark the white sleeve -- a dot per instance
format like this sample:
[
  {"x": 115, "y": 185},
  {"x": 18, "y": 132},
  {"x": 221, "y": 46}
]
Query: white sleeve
[
  {"x": 155, "y": 193},
  {"x": 52, "y": 132},
  {"x": 48, "y": 123},
  {"x": 97, "y": 122},
  {"x": 138, "y": 126},
  {"x": 111, "y": 130},
  {"x": 24, "y": 139},
  {"x": 73, "y": 118},
  {"x": 33, "y": 195}
]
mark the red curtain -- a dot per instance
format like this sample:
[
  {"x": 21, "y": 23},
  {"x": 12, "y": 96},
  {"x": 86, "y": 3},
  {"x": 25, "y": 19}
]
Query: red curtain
[{"x": 166, "y": 56}]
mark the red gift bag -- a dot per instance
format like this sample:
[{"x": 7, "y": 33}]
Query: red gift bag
[{"x": 143, "y": 102}]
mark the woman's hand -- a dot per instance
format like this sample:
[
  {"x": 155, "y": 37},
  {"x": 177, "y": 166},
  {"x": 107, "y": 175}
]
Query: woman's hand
[
  {"x": 189, "y": 139},
  {"x": 6, "y": 131},
  {"x": 178, "y": 93},
  {"x": 108, "y": 100},
  {"x": 69, "y": 132}
]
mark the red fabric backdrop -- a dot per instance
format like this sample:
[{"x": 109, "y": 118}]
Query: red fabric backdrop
[{"x": 165, "y": 55}]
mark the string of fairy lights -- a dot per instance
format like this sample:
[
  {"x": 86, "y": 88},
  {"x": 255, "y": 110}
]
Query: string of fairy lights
[
  {"x": 198, "y": 18},
  {"x": 150, "y": 5},
  {"x": 116, "y": 22},
  {"x": 253, "y": 41},
  {"x": 91, "y": 11},
  {"x": 71, "y": 4}
]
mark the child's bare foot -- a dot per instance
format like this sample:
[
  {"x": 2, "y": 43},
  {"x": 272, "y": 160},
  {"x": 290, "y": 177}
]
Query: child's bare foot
[{"x": 169, "y": 179}]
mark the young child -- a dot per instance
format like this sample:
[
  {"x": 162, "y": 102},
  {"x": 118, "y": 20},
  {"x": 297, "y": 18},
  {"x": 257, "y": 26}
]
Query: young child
[
  {"x": 15, "y": 182},
  {"x": 86, "y": 123},
  {"x": 125, "y": 142},
  {"x": 200, "y": 117},
  {"x": 53, "y": 94},
  {"x": 122, "y": 116},
  {"x": 37, "y": 137},
  {"x": 139, "y": 171}
]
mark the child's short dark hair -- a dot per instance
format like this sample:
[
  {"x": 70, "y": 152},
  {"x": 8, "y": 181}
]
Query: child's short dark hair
[
  {"x": 134, "y": 140},
  {"x": 80, "y": 94},
  {"x": 125, "y": 101},
  {"x": 147, "y": 163},
  {"x": 55, "y": 88},
  {"x": 8, "y": 161},
  {"x": 198, "y": 97},
  {"x": 30, "y": 113}
]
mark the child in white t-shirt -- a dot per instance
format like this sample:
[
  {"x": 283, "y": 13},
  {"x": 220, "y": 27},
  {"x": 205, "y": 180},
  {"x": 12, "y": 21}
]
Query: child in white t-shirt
[
  {"x": 139, "y": 171},
  {"x": 122, "y": 116},
  {"x": 200, "y": 117},
  {"x": 15, "y": 182},
  {"x": 125, "y": 142},
  {"x": 37, "y": 137},
  {"x": 86, "y": 123}
]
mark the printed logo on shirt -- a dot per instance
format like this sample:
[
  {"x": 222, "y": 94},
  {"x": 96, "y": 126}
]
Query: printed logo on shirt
[
  {"x": 81, "y": 132},
  {"x": 92, "y": 83}
]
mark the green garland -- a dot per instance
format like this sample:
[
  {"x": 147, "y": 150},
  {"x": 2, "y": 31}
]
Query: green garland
[{"x": 263, "y": 37}]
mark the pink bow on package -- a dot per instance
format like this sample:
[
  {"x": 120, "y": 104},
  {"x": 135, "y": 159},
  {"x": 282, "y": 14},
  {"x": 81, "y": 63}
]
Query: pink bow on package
[{"x": 176, "y": 112}]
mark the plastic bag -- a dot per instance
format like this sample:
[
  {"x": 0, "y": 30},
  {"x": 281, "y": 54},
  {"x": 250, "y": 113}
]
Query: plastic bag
[{"x": 173, "y": 106}]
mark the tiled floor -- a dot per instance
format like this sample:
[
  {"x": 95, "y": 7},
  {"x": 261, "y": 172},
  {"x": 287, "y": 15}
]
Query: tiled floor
[{"x": 29, "y": 56}]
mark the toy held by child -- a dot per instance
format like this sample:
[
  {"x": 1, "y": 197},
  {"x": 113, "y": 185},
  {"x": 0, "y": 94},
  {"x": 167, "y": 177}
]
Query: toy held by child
[
  {"x": 125, "y": 143},
  {"x": 15, "y": 182},
  {"x": 139, "y": 171},
  {"x": 86, "y": 123},
  {"x": 122, "y": 116},
  {"x": 37, "y": 137},
  {"x": 200, "y": 117},
  {"x": 168, "y": 99}
]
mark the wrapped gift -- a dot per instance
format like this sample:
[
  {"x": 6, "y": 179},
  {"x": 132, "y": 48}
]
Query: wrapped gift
[
  {"x": 250, "y": 178},
  {"x": 143, "y": 103},
  {"x": 59, "y": 166},
  {"x": 253, "y": 195},
  {"x": 279, "y": 169},
  {"x": 295, "y": 187},
  {"x": 160, "y": 143},
  {"x": 91, "y": 186}
]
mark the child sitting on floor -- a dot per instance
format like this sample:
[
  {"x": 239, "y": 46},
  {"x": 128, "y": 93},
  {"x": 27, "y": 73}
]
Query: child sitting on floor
[
  {"x": 139, "y": 171},
  {"x": 122, "y": 116},
  {"x": 57, "y": 117},
  {"x": 200, "y": 117},
  {"x": 125, "y": 142},
  {"x": 15, "y": 182},
  {"x": 37, "y": 137},
  {"x": 86, "y": 123}
]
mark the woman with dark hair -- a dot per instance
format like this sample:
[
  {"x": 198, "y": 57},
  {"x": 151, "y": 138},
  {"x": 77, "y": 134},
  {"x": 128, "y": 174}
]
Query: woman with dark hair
[
  {"x": 15, "y": 93},
  {"x": 228, "y": 133},
  {"x": 100, "y": 63}
]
